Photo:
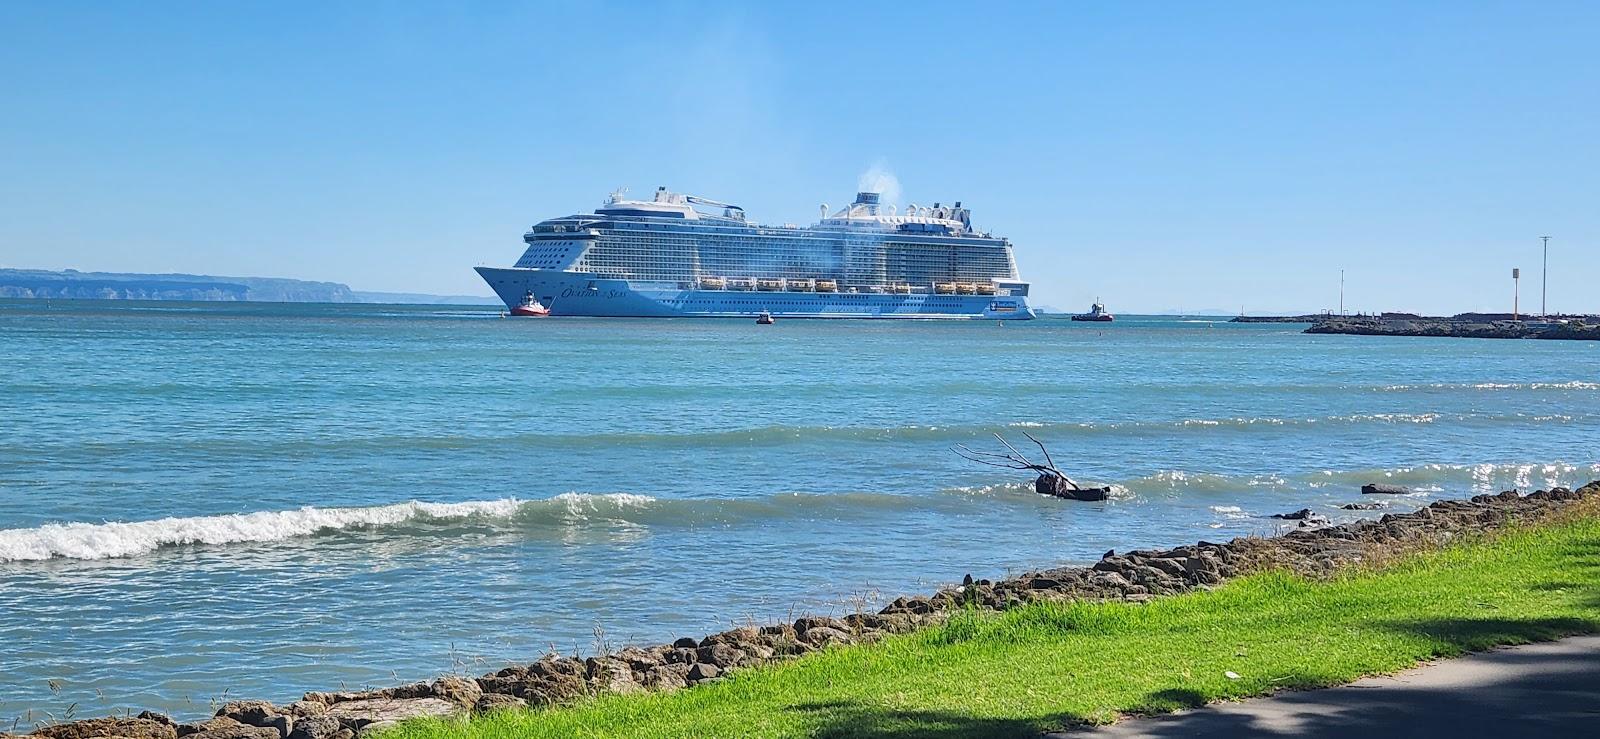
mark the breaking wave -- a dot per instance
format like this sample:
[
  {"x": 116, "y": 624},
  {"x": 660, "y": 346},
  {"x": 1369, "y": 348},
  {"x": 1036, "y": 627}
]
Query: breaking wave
[{"x": 126, "y": 539}]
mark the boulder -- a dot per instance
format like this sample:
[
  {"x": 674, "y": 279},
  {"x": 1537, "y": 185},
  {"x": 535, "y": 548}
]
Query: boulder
[
  {"x": 668, "y": 677},
  {"x": 821, "y": 636},
  {"x": 1384, "y": 489},
  {"x": 237, "y": 731},
  {"x": 701, "y": 671},
  {"x": 457, "y": 690},
  {"x": 611, "y": 675},
  {"x": 364, "y": 714},
  {"x": 120, "y": 728},
  {"x": 317, "y": 727},
  {"x": 721, "y": 655},
  {"x": 1300, "y": 515},
  {"x": 1363, "y": 506},
  {"x": 256, "y": 713},
  {"x": 491, "y": 702}
]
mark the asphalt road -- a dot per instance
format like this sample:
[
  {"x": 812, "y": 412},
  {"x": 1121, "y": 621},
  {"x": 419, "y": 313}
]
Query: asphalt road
[{"x": 1540, "y": 690}]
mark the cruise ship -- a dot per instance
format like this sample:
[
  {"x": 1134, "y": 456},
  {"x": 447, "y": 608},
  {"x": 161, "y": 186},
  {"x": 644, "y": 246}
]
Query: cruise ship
[{"x": 684, "y": 255}]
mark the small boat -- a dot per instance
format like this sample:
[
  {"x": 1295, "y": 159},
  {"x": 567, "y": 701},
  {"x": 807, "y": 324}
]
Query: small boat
[
  {"x": 944, "y": 288},
  {"x": 768, "y": 285},
  {"x": 1097, "y": 313},
  {"x": 827, "y": 286},
  {"x": 530, "y": 307},
  {"x": 713, "y": 283},
  {"x": 765, "y": 319}
]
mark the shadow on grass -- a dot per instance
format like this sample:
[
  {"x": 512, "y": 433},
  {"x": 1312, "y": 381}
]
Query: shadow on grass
[
  {"x": 840, "y": 719},
  {"x": 1478, "y": 634}
]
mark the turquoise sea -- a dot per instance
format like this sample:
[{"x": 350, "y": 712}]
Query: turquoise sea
[{"x": 209, "y": 501}]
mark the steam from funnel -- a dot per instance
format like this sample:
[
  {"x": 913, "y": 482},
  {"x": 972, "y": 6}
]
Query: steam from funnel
[{"x": 880, "y": 180}]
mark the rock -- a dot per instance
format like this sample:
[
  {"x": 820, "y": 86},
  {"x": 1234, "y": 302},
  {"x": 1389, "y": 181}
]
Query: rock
[
  {"x": 685, "y": 643},
  {"x": 721, "y": 655},
  {"x": 238, "y": 731},
  {"x": 1384, "y": 489},
  {"x": 668, "y": 677},
  {"x": 807, "y": 623},
  {"x": 1364, "y": 506},
  {"x": 254, "y": 713},
  {"x": 159, "y": 718},
  {"x": 1301, "y": 514},
  {"x": 362, "y": 714},
  {"x": 210, "y": 724},
  {"x": 118, "y": 728},
  {"x": 821, "y": 636},
  {"x": 612, "y": 675},
  {"x": 457, "y": 690},
  {"x": 702, "y": 671},
  {"x": 490, "y": 702},
  {"x": 317, "y": 727}
]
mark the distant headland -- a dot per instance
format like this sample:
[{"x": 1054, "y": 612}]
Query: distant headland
[{"x": 71, "y": 284}]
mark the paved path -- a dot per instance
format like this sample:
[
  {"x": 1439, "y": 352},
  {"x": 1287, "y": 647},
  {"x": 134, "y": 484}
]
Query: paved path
[{"x": 1541, "y": 690}]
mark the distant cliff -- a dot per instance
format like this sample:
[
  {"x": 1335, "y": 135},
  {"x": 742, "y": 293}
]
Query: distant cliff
[{"x": 38, "y": 283}]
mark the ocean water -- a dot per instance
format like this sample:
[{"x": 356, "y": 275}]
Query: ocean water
[{"x": 206, "y": 501}]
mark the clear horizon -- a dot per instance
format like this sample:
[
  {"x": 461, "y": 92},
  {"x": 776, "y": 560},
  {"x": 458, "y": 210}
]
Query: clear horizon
[{"x": 1157, "y": 157}]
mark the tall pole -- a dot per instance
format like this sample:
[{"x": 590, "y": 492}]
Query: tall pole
[
  {"x": 1341, "y": 292},
  {"x": 1516, "y": 292},
  {"x": 1544, "y": 279}
]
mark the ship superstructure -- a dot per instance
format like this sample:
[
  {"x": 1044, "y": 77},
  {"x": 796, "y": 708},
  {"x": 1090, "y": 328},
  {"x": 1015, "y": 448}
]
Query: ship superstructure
[{"x": 683, "y": 255}]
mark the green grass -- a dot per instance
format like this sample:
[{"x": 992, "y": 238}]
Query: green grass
[{"x": 1049, "y": 665}]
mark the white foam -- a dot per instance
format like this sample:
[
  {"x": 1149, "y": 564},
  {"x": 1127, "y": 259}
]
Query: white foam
[{"x": 127, "y": 539}]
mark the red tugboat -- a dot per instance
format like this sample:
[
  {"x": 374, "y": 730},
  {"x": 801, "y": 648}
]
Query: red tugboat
[
  {"x": 1097, "y": 313},
  {"x": 530, "y": 307}
]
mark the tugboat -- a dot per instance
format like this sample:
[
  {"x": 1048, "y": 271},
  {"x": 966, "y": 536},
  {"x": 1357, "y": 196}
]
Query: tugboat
[
  {"x": 765, "y": 319},
  {"x": 530, "y": 307},
  {"x": 1097, "y": 313}
]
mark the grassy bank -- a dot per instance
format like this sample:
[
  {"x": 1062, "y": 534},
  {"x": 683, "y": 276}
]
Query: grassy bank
[{"x": 1045, "y": 666}]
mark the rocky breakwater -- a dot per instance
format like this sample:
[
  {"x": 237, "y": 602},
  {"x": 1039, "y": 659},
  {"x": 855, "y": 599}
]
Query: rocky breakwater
[
  {"x": 1456, "y": 327},
  {"x": 1134, "y": 576}
]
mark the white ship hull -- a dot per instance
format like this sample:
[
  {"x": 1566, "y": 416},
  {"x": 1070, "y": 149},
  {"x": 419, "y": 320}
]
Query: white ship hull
[{"x": 585, "y": 294}]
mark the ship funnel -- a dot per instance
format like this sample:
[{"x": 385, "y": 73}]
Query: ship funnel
[{"x": 866, "y": 198}]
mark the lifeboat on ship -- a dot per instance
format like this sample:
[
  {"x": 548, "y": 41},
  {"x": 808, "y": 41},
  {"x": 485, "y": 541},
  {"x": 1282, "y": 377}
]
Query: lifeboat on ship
[
  {"x": 769, "y": 285},
  {"x": 713, "y": 283},
  {"x": 531, "y": 307},
  {"x": 944, "y": 288},
  {"x": 985, "y": 288},
  {"x": 827, "y": 286},
  {"x": 966, "y": 288}
]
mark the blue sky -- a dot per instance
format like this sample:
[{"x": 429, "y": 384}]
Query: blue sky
[{"x": 1158, "y": 155}]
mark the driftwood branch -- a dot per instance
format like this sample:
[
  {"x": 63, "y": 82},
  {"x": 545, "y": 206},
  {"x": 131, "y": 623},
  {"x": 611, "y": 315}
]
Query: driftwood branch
[
  {"x": 1016, "y": 460},
  {"x": 1050, "y": 481}
]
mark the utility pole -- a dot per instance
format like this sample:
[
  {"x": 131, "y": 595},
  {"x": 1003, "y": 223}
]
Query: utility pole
[
  {"x": 1516, "y": 291},
  {"x": 1341, "y": 292},
  {"x": 1544, "y": 279}
]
